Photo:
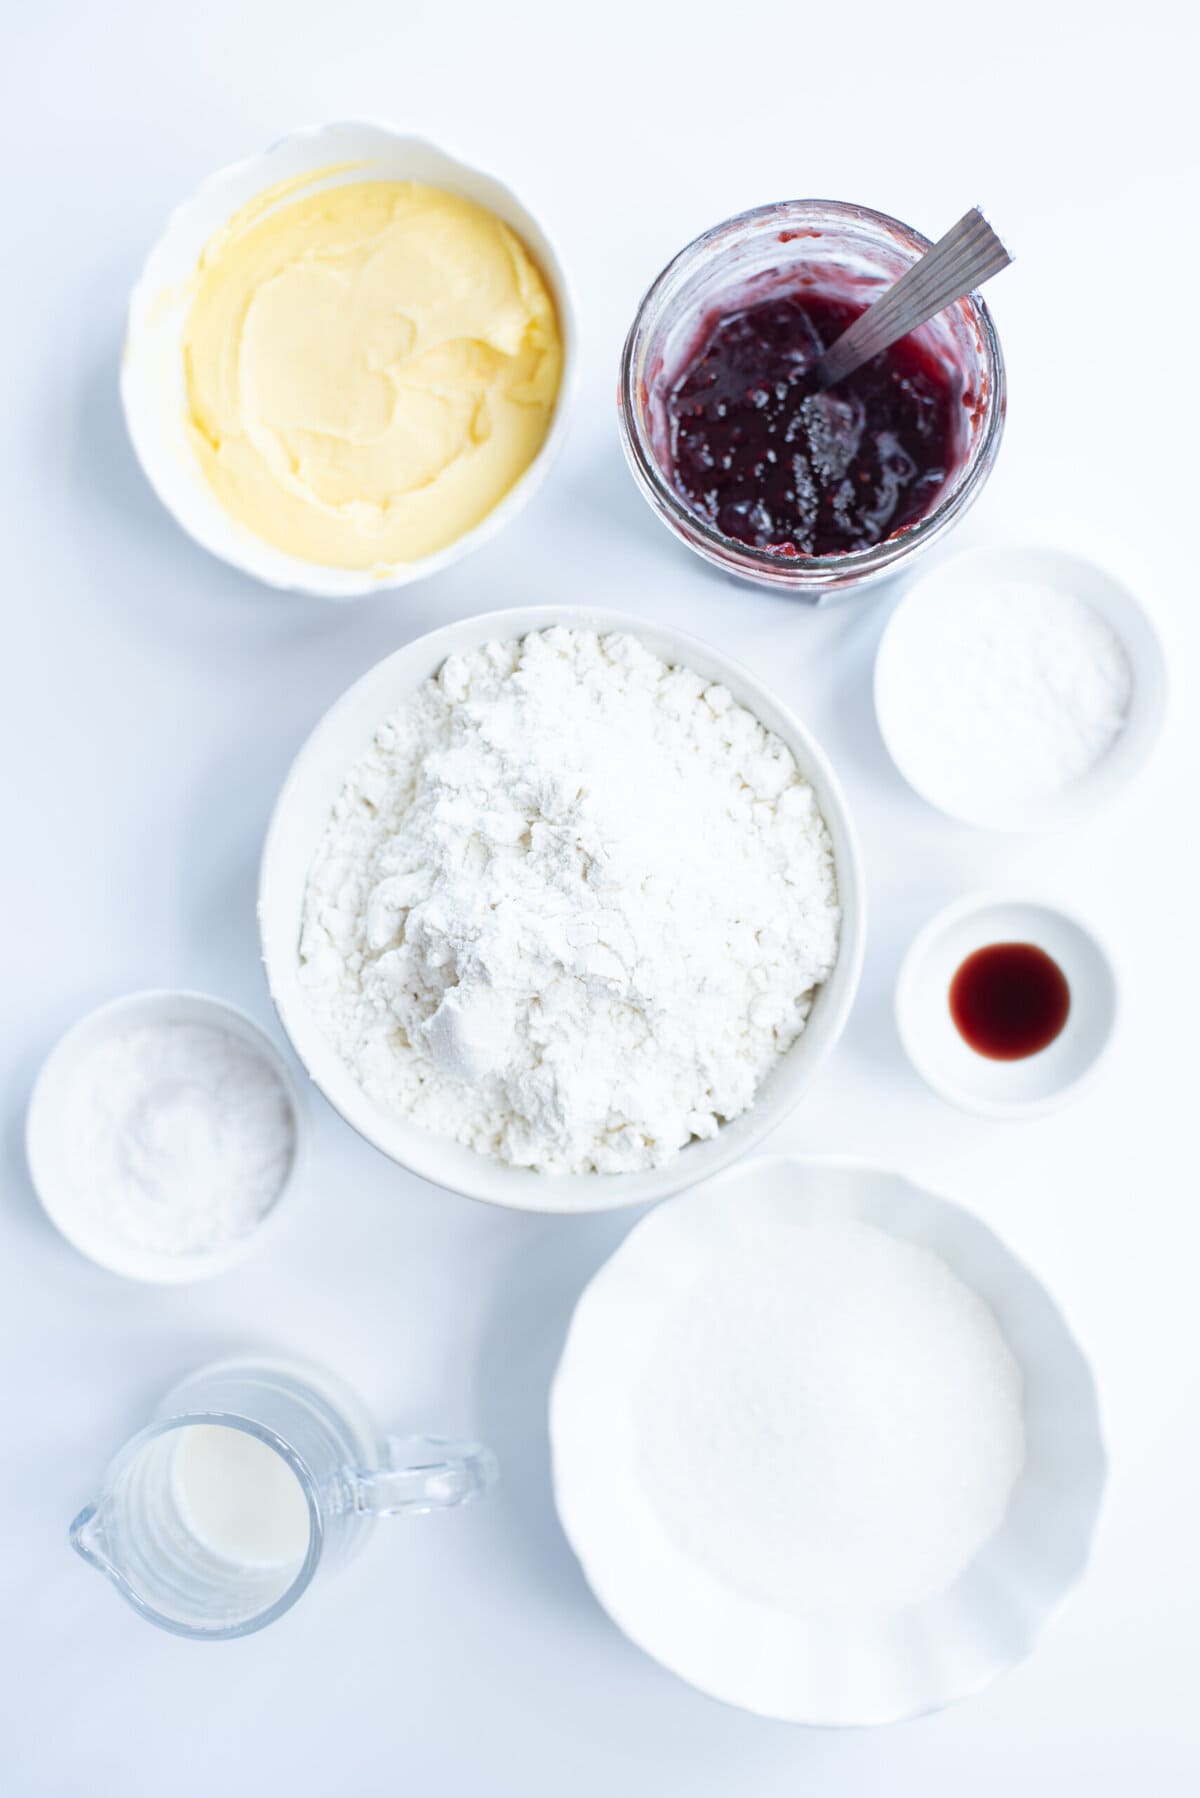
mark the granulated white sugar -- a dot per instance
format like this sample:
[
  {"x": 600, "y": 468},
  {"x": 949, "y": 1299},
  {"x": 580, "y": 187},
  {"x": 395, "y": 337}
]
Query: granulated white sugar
[
  {"x": 831, "y": 1421},
  {"x": 178, "y": 1136}
]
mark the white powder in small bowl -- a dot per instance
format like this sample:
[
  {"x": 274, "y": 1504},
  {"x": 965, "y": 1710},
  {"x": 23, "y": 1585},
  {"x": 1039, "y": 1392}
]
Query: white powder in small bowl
[
  {"x": 1001, "y": 691},
  {"x": 830, "y": 1421},
  {"x": 176, "y": 1138}
]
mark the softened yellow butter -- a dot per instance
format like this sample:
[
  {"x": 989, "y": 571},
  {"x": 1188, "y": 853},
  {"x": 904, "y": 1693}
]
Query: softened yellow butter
[{"x": 369, "y": 368}]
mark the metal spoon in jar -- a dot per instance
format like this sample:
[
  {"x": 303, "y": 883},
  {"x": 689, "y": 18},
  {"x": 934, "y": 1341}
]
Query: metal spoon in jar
[{"x": 968, "y": 255}]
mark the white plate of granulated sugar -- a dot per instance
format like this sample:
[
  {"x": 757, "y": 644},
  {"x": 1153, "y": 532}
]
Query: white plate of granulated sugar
[
  {"x": 823, "y": 1447},
  {"x": 163, "y": 1132},
  {"x": 1017, "y": 688}
]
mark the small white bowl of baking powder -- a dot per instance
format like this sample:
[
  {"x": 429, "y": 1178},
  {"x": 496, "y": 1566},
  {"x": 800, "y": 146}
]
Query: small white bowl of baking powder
[
  {"x": 162, "y": 1134},
  {"x": 1016, "y": 689}
]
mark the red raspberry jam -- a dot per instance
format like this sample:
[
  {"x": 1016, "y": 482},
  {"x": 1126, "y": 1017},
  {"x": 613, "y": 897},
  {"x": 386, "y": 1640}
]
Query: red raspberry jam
[{"x": 765, "y": 460}]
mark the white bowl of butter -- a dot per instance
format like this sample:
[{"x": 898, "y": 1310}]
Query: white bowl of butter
[{"x": 349, "y": 361}]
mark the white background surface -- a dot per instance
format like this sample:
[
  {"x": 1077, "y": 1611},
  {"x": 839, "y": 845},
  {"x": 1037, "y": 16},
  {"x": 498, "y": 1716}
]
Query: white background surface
[{"x": 152, "y": 701}]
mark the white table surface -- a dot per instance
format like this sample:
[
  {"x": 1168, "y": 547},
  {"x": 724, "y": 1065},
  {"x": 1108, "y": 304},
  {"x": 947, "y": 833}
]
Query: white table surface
[{"x": 153, "y": 699}]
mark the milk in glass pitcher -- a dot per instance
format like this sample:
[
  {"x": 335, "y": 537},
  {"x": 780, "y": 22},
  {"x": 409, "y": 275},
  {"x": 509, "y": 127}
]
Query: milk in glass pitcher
[{"x": 252, "y": 1477}]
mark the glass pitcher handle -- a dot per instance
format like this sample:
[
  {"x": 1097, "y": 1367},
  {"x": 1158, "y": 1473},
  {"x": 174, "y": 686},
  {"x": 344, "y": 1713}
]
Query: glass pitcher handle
[{"x": 423, "y": 1473}]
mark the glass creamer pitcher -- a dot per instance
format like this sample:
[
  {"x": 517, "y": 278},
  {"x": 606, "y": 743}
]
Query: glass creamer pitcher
[{"x": 251, "y": 1476}]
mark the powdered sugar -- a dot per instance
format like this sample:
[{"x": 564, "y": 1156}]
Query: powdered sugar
[
  {"x": 1004, "y": 692},
  {"x": 571, "y": 906}
]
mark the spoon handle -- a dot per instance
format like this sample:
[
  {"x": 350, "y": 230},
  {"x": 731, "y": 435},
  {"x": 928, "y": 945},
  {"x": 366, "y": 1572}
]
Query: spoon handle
[{"x": 968, "y": 255}]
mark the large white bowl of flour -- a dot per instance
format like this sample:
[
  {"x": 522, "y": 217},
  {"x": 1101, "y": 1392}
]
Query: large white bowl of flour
[{"x": 299, "y": 829}]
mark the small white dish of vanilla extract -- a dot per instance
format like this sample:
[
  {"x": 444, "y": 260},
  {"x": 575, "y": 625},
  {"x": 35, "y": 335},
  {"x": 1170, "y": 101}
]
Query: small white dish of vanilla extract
[{"x": 1006, "y": 1006}]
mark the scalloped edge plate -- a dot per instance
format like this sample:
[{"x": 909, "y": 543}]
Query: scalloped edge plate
[{"x": 851, "y": 1670}]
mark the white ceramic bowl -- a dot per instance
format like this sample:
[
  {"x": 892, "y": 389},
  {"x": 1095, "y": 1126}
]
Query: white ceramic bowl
[
  {"x": 1005, "y": 1089},
  {"x": 152, "y": 380},
  {"x": 905, "y": 731},
  {"x": 48, "y": 1119},
  {"x": 302, "y": 812},
  {"x": 877, "y": 1666}
]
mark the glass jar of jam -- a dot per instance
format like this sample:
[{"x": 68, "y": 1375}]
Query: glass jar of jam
[{"x": 757, "y": 473}]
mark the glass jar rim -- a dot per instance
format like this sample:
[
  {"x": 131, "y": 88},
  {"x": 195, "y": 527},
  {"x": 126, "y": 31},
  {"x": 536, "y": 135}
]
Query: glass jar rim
[
  {"x": 801, "y": 570},
  {"x": 261, "y": 1432}
]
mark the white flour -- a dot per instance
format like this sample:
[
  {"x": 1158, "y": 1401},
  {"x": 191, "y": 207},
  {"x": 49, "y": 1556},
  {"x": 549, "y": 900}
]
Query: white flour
[
  {"x": 178, "y": 1136},
  {"x": 831, "y": 1421},
  {"x": 571, "y": 906},
  {"x": 1011, "y": 691}
]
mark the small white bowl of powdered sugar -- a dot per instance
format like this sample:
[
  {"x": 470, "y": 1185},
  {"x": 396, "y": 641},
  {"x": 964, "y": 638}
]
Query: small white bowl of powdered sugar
[
  {"x": 1016, "y": 689},
  {"x": 561, "y": 910},
  {"x": 163, "y": 1131}
]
